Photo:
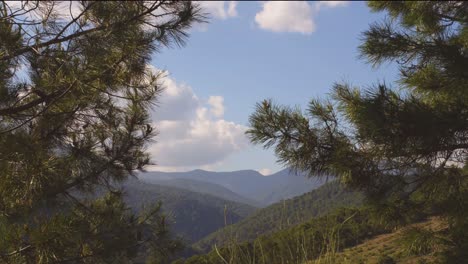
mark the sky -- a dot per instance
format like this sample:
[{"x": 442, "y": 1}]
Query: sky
[{"x": 289, "y": 52}]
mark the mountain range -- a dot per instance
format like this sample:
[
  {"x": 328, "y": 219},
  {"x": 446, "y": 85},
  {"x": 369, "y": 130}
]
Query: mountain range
[
  {"x": 191, "y": 215},
  {"x": 204, "y": 188},
  {"x": 245, "y": 186}
]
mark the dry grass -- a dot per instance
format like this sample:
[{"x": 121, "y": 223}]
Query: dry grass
[{"x": 387, "y": 244}]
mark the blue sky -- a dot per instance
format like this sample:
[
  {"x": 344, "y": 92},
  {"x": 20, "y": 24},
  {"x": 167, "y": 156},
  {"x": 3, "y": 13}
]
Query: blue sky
[{"x": 247, "y": 52}]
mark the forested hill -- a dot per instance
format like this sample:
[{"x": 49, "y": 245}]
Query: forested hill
[
  {"x": 203, "y": 187},
  {"x": 345, "y": 235},
  {"x": 283, "y": 214},
  {"x": 323, "y": 235},
  {"x": 264, "y": 190},
  {"x": 192, "y": 215}
]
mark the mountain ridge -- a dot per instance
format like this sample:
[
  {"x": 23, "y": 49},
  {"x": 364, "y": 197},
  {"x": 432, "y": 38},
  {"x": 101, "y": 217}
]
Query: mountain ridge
[
  {"x": 191, "y": 215},
  {"x": 204, "y": 187},
  {"x": 265, "y": 190}
]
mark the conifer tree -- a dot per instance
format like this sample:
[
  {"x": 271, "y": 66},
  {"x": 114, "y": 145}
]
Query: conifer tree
[
  {"x": 75, "y": 91},
  {"x": 404, "y": 145}
]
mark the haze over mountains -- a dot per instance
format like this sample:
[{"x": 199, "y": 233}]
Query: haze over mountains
[
  {"x": 199, "y": 203},
  {"x": 204, "y": 188},
  {"x": 192, "y": 215},
  {"x": 245, "y": 186},
  {"x": 202, "y": 205}
]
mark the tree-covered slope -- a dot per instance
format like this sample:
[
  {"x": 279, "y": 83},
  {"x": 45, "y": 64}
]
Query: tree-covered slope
[
  {"x": 317, "y": 237},
  {"x": 192, "y": 215},
  {"x": 346, "y": 235},
  {"x": 203, "y": 187},
  {"x": 283, "y": 214}
]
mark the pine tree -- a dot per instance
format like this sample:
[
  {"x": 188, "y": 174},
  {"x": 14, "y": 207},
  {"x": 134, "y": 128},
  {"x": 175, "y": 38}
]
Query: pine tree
[
  {"x": 75, "y": 91},
  {"x": 406, "y": 145}
]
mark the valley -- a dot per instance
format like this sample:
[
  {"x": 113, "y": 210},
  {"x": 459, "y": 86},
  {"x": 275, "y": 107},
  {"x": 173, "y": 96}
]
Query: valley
[{"x": 254, "y": 187}]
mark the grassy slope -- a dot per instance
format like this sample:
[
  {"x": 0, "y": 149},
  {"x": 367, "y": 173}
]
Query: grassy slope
[
  {"x": 322, "y": 240},
  {"x": 386, "y": 244},
  {"x": 342, "y": 228}
]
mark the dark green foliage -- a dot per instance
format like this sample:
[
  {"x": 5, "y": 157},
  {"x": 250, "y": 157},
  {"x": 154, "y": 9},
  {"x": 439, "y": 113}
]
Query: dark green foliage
[
  {"x": 74, "y": 99},
  {"x": 283, "y": 215},
  {"x": 404, "y": 147},
  {"x": 329, "y": 233}
]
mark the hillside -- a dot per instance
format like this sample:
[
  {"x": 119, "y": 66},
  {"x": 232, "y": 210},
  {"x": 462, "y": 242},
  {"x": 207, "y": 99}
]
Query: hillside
[
  {"x": 192, "y": 215},
  {"x": 387, "y": 246},
  {"x": 343, "y": 236},
  {"x": 307, "y": 241},
  {"x": 283, "y": 215},
  {"x": 203, "y": 187},
  {"x": 264, "y": 190}
]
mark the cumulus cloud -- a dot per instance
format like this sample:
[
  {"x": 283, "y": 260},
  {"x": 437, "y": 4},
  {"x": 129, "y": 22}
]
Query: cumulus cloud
[
  {"x": 291, "y": 16},
  {"x": 284, "y": 16},
  {"x": 220, "y": 9},
  {"x": 176, "y": 103},
  {"x": 192, "y": 132},
  {"x": 217, "y": 10},
  {"x": 217, "y": 105}
]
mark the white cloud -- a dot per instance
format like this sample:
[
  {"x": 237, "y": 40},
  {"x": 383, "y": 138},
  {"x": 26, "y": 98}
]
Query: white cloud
[
  {"x": 217, "y": 105},
  {"x": 232, "y": 11},
  {"x": 332, "y": 3},
  {"x": 192, "y": 132},
  {"x": 284, "y": 16},
  {"x": 219, "y": 9},
  {"x": 64, "y": 9},
  {"x": 265, "y": 171},
  {"x": 69, "y": 9},
  {"x": 176, "y": 103},
  {"x": 291, "y": 16},
  {"x": 216, "y": 9}
]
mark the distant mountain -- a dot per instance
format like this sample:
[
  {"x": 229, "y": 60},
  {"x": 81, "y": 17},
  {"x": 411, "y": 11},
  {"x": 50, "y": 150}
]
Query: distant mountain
[
  {"x": 286, "y": 184},
  {"x": 251, "y": 184},
  {"x": 192, "y": 215},
  {"x": 202, "y": 187},
  {"x": 283, "y": 215}
]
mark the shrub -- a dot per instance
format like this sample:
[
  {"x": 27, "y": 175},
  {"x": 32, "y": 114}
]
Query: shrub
[{"x": 386, "y": 259}]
